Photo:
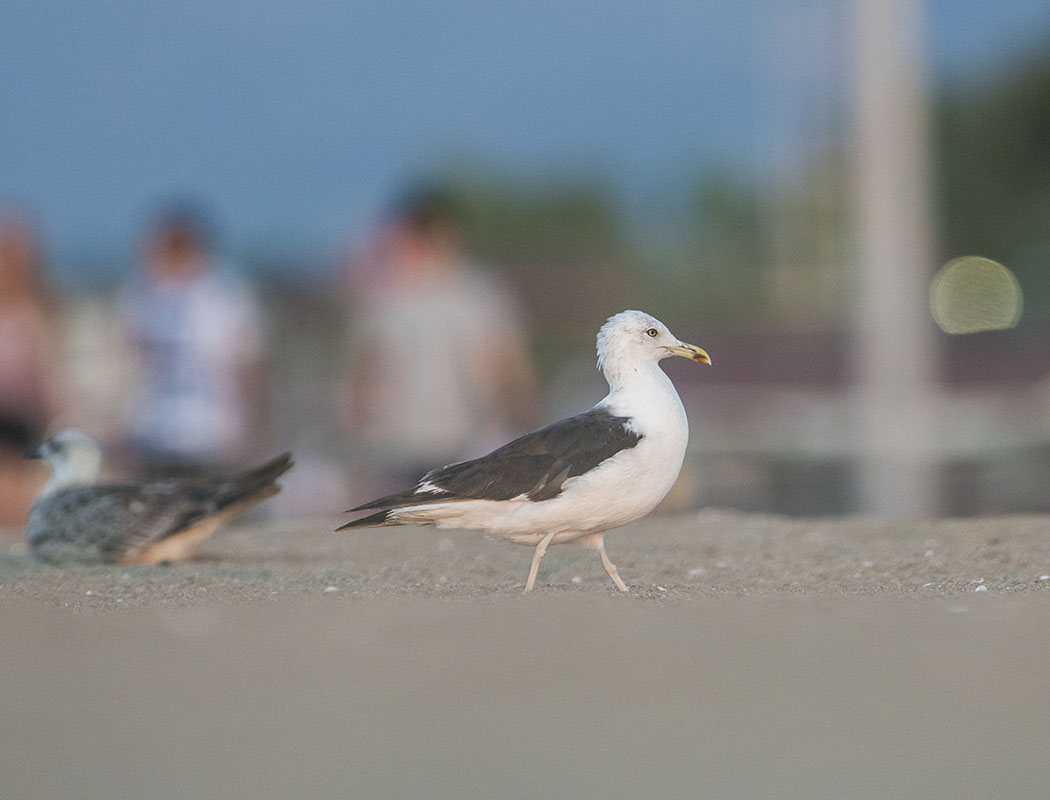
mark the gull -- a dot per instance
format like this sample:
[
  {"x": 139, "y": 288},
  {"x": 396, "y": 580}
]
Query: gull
[
  {"x": 573, "y": 480},
  {"x": 74, "y": 518}
]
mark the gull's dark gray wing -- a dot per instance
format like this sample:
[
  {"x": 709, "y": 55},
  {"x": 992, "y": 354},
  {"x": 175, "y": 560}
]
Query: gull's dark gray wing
[
  {"x": 107, "y": 522},
  {"x": 535, "y": 466}
]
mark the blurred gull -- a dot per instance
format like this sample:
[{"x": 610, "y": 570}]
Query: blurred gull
[
  {"x": 75, "y": 518},
  {"x": 575, "y": 479}
]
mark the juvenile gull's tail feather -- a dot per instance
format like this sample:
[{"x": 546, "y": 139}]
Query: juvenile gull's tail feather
[{"x": 246, "y": 483}]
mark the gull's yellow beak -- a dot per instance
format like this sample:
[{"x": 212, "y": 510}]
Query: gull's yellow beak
[{"x": 690, "y": 351}]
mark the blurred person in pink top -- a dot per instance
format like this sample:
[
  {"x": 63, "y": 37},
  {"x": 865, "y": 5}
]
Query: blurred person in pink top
[{"x": 27, "y": 344}]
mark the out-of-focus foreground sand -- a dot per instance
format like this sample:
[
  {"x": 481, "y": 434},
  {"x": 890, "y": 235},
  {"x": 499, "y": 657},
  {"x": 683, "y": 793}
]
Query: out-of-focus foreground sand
[{"x": 756, "y": 657}]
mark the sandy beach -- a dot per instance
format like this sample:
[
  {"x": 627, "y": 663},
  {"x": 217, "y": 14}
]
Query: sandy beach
[{"x": 755, "y": 657}]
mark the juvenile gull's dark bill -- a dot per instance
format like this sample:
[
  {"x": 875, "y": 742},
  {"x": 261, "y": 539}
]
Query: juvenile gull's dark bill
[
  {"x": 76, "y": 519},
  {"x": 573, "y": 480}
]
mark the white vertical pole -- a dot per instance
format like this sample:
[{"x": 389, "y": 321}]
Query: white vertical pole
[{"x": 895, "y": 345}]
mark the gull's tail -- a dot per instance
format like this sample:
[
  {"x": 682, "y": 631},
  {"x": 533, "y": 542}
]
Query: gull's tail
[
  {"x": 246, "y": 483},
  {"x": 371, "y": 521}
]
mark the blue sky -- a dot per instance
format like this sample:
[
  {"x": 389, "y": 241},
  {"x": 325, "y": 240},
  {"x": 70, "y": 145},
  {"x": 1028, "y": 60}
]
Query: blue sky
[{"x": 297, "y": 121}]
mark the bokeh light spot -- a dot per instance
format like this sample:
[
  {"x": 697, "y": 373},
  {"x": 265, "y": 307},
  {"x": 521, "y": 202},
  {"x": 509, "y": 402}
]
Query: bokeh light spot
[{"x": 972, "y": 294}]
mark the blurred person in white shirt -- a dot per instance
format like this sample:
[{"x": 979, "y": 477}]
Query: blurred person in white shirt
[
  {"x": 440, "y": 366},
  {"x": 197, "y": 330}
]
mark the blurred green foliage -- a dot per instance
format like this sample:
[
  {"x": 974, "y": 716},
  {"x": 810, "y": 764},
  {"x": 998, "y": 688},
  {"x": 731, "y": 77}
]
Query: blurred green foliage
[
  {"x": 738, "y": 248},
  {"x": 574, "y": 252},
  {"x": 992, "y": 151}
]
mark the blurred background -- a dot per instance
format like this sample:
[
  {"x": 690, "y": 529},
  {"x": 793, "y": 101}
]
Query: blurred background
[{"x": 383, "y": 235}]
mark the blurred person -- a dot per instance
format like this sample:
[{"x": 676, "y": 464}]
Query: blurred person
[
  {"x": 27, "y": 343},
  {"x": 196, "y": 330},
  {"x": 439, "y": 363}
]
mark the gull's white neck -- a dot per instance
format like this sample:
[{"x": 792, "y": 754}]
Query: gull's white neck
[
  {"x": 641, "y": 389},
  {"x": 81, "y": 470},
  {"x": 642, "y": 392}
]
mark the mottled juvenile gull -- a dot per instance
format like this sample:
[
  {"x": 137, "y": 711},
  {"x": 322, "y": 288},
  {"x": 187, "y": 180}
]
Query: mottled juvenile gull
[
  {"x": 75, "y": 518},
  {"x": 575, "y": 479}
]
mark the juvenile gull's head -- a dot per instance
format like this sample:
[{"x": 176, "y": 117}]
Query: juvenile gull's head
[{"x": 74, "y": 457}]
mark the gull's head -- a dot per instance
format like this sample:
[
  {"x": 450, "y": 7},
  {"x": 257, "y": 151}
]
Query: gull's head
[
  {"x": 74, "y": 457},
  {"x": 634, "y": 337}
]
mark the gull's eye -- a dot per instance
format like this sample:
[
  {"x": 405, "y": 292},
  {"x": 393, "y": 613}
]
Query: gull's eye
[{"x": 652, "y": 332}]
